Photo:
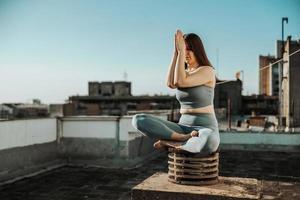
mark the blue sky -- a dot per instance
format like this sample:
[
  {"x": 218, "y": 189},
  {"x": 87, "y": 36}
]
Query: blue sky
[{"x": 50, "y": 49}]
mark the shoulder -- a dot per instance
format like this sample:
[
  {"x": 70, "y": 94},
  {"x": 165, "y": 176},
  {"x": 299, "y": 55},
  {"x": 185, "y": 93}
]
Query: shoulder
[
  {"x": 204, "y": 75},
  {"x": 207, "y": 71},
  {"x": 208, "y": 68}
]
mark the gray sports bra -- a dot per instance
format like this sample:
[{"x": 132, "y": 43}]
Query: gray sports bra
[{"x": 195, "y": 97}]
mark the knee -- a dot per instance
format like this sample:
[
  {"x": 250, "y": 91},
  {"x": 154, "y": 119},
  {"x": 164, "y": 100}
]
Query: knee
[
  {"x": 205, "y": 132},
  {"x": 138, "y": 120},
  {"x": 138, "y": 117},
  {"x": 213, "y": 142}
]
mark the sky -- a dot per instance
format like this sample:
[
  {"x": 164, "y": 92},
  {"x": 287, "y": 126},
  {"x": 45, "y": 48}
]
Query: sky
[{"x": 51, "y": 49}]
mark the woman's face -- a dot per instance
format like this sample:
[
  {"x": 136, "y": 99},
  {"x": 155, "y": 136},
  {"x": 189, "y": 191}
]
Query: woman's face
[{"x": 190, "y": 58}]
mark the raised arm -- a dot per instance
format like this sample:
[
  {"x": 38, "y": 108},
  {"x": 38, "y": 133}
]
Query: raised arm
[
  {"x": 180, "y": 74},
  {"x": 201, "y": 76},
  {"x": 170, "y": 75}
]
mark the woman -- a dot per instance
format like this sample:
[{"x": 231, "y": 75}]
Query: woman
[{"x": 194, "y": 79}]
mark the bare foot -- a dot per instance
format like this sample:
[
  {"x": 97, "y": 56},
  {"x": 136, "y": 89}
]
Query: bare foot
[
  {"x": 161, "y": 144},
  {"x": 158, "y": 145},
  {"x": 178, "y": 147}
]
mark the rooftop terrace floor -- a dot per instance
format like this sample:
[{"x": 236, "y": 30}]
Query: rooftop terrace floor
[{"x": 279, "y": 174}]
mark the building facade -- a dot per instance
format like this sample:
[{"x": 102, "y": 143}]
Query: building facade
[
  {"x": 260, "y": 105},
  {"x": 268, "y": 75},
  {"x": 6, "y": 112},
  {"x": 226, "y": 91},
  {"x": 23, "y": 111},
  {"x": 290, "y": 87},
  {"x": 115, "y": 98},
  {"x": 108, "y": 88}
]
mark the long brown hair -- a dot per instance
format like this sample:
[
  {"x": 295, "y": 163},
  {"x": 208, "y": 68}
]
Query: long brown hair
[{"x": 194, "y": 43}]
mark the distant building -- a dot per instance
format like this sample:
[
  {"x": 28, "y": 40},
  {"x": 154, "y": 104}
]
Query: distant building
[
  {"x": 290, "y": 104},
  {"x": 6, "y": 112},
  {"x": 260, "y": 105},
  {"x": 114, "y": 98},
  {"x": 268, "y": 76},
  {"x": 32, "y": 111},
  {"x": 23, "y": 111},
  {"x": 117, "y": 88},
  {"x": 229, "y": 90},
  {"x": 243, "y": 105}
]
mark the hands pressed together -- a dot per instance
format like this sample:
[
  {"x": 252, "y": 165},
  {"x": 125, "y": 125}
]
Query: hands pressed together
[{"x": 179, "y": 41}]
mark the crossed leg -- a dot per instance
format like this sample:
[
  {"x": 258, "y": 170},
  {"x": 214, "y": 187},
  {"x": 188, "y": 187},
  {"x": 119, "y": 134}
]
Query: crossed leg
[
  {"x": 168, "y": 133},
  {"x": 157, "y": 128}
]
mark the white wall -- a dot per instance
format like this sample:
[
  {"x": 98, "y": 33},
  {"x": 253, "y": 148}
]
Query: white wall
[
  {"x": 101, "y": 127},
  {"x": 90, "y": 127},
  {"x": 20, "y": 133},
  {"x": 127, "y": 131}
]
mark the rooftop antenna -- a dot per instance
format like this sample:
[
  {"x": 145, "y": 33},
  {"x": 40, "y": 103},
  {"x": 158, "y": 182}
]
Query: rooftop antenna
[
  {"x": 217, "y": 61},
  {"x": 125, "y": 75}
]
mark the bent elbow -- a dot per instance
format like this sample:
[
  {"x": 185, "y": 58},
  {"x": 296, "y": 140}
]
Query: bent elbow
[
  {"x": 171, "y": 86},
  {"x": 179, "y": 83}
]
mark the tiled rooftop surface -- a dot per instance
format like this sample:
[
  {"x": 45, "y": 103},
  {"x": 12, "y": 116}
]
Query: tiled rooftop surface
[{"x": 278, "y": 172}]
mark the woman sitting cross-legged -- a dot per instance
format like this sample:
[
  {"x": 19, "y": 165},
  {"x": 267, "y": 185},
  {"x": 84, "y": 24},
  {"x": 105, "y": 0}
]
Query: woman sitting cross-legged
[{"x": 194, "y": 79}]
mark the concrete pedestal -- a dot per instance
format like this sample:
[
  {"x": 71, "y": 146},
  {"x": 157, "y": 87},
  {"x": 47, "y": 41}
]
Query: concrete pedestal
[{"x": 158, "y": 187}]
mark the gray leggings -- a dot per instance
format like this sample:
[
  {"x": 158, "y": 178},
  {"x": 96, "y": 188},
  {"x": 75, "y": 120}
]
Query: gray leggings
[{"x": 157, "y": 128}]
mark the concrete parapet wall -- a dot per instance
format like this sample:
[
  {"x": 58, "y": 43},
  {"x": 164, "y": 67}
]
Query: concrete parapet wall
[
  {"x": 94, "y": 140},
  {"x": 19, "y": 133},
  {"x": 87, "y": 148},
  {"x": 139, "y": 146},
  {"x": 20, "y": 161},
  {"x": 31, "y": 145},
  {"x": 109, "y": 141},
  {"x": 260, "y": 141}
]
